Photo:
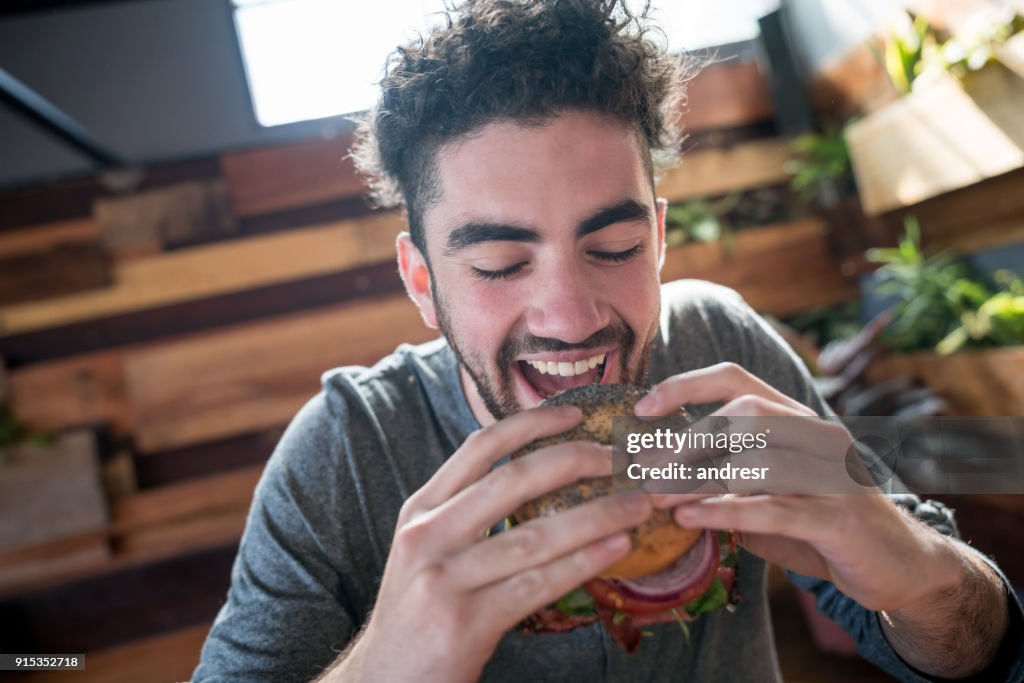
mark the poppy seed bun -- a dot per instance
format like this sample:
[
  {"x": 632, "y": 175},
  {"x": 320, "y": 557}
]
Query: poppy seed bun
[{"x": 659, "y": 541}]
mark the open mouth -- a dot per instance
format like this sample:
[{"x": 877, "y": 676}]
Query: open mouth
[{"x": 548, "y": 377}]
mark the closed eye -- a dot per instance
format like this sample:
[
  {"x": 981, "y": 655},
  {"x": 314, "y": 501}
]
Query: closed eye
[
  {"x": 617, "y": 256},
  {"x": 502, "y": 274},
  {"x": 606, "y": 256}
]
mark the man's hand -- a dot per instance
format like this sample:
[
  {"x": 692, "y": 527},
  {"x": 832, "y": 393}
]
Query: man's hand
[
  {"x": 448, "y": 592},
  {"x": 879, "y": 556}
]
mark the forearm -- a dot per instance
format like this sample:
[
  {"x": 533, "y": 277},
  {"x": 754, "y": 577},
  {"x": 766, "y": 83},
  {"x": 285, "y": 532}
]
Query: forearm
[
  {"x": 345, "y": 667},
  {"x": 954, "y": 630},
  {"x": 373, "y": 656}
]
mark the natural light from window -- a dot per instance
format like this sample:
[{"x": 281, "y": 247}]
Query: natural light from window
[{"x": 310, "y": 59}]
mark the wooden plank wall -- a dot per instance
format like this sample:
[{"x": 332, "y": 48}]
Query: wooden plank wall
[
  {"x": 215, "y": 269},
  {"x": 221, "y": 303},
  {"x": 948, "y": 136},
  {"x": 263, "y": 181}
]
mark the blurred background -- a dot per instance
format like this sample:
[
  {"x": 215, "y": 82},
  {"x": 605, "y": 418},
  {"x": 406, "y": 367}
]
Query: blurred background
[{"x": 184, "y": 249}]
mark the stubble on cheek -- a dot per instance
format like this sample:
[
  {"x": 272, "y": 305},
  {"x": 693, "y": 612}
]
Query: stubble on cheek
[{"x": 499, "y": 397}]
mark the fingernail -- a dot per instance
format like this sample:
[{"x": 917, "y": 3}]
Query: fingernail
[
  {"x": 635, "y": 502},
  {"x": 616, "y": 543},
  {"x": 662, "y": 500},
  {"x": 569, "y": 411},
  {"x": 646, "y": 405},
  {"x": 686, "y": 512}
]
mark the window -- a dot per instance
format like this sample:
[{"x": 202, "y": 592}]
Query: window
[{"x": 310, "y": 59}]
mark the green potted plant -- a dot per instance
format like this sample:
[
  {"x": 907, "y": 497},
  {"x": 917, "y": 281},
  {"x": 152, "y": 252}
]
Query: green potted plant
[
  {"x": 959, "y": 120},
  {"x": 822, "y": 175},
  {"x": 701, "y": 220},
  {"x": 959, "y": 333}
]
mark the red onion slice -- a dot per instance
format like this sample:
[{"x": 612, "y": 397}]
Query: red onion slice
[{"x": 692, "y": 569}]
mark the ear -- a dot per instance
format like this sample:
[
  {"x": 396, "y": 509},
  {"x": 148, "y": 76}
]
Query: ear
[
  {"x": 416, "y": 277},
  {"x": 662, "y": 213}
]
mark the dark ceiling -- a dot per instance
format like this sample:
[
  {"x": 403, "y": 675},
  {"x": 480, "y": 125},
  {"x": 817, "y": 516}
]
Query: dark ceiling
[{"x": 152, "y": 80}]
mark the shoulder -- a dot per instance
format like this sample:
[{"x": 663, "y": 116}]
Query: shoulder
[
  {"x": 703, "y": 323},
  {"x": 359, "y": 419},
  {"x": 387, "y": 385},
  {"x": 698, "y": 307}
]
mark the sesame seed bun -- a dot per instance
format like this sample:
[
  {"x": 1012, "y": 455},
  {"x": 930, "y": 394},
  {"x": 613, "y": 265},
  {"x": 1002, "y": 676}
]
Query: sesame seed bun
[{"x": 659, "y": 541}]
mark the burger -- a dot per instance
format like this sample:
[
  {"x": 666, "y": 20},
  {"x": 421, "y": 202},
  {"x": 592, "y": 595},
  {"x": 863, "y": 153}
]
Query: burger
[{"x": 671, "y": 574}]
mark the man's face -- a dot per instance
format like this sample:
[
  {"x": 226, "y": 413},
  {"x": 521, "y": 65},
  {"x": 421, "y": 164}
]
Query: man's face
[{"x": 544, "y": 252}]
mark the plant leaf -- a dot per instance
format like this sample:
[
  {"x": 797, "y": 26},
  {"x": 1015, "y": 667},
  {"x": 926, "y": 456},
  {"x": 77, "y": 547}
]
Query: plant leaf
[{"x": 712, "y": 599}]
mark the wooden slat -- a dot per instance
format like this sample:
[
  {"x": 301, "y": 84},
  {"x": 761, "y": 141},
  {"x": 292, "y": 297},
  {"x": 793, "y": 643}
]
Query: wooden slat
[
  {"x": 40, "y": 238},
  {"x": 242, "y": 380},
  {"x": 120, "y": 605},
  {"x": 80, "y": 391},
  {"x": 726, "y": 95},
  {"x": 188, "y": 517},
  {"x": 90, "y": 389},
  {"x": 780, "y": 270},
  {"x": 212, "y": 529},
  {"x": 206, "y": 313},
  {"x": 75, "y": 556},
  {"x": 83, "y": 558},
  {"x": 975, "y": 382},
  {"x": 61, "y": 270},
  {"x": 287, "y": 176},
  {"x": 349, "y": 208},
  {"x": 218, "y": 269},
  {"x": 855, "y": 84},
  {"x": 718, "y": 171},
  {"x": 191, "y": 462},
  {"x": 941, "y": 138},
  {"x": 199, "y": 315},
  {"x": 179, "y": 214},
  {"x": 73, "y": 198},
  {"x": 984, "y": 215},
  {"x": 143, "y": 511},
  {"x": 168, "y": 657},
  {"x": 987, "y": 237}
]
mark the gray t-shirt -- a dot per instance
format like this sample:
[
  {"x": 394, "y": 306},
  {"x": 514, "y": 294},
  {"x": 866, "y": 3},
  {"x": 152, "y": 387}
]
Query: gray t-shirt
[{"x": 324, "y": 513}]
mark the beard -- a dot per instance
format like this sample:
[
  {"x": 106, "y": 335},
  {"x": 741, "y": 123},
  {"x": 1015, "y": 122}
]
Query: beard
[{"x": 496, "y": 388}]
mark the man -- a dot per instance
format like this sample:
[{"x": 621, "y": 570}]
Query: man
[{"x": 522, "y": 139}]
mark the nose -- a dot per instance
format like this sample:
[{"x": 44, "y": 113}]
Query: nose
[{"x": 567, "y": 306}]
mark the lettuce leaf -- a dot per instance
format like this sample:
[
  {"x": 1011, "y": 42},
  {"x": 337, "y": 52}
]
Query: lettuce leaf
[
  {"x": 713, "y": 598},
  {"x": 577, "y": 603}
]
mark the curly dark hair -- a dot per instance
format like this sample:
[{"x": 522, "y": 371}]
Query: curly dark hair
[{"x": 524, "y": 60}]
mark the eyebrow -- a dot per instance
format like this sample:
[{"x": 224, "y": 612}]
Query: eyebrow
[
  {"x": 626, "y": 211},
  {"x": 470, "y": 234}
]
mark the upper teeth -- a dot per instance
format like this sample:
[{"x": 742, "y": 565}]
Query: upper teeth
[{"x": 566, "y": 368}]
